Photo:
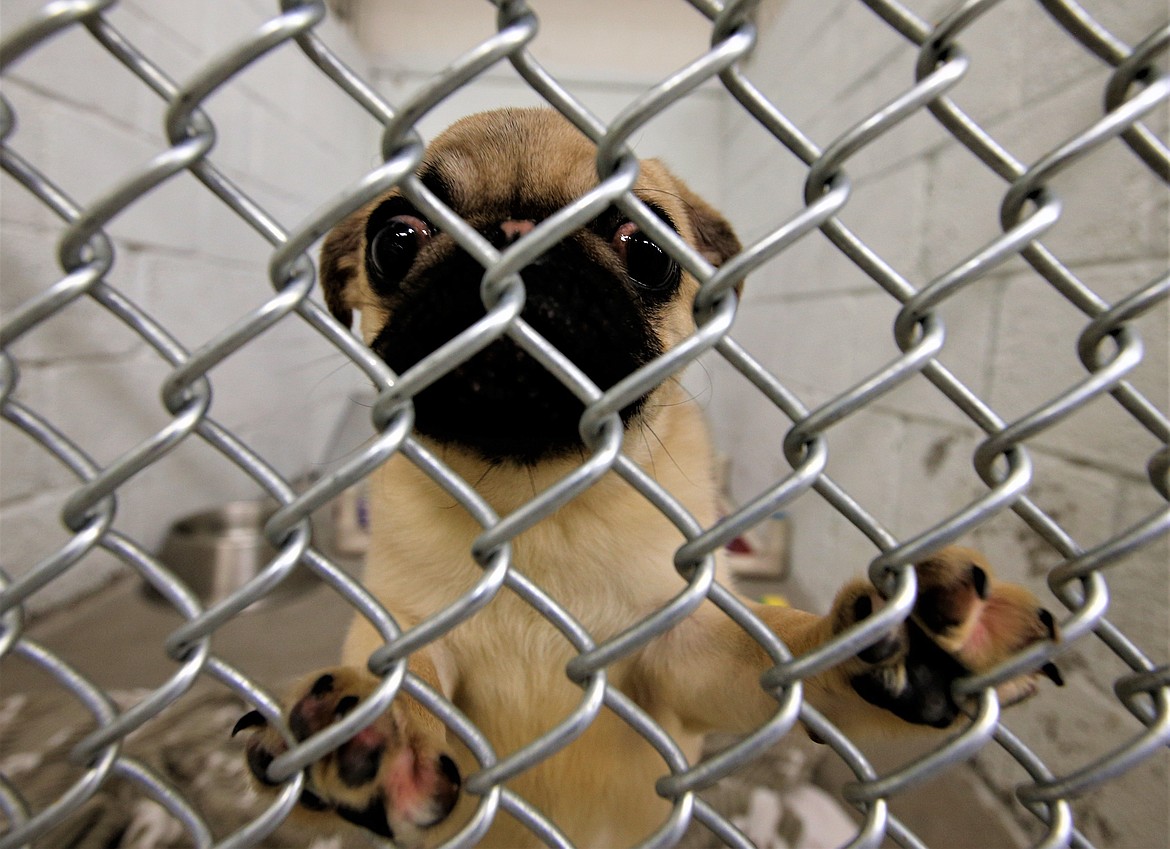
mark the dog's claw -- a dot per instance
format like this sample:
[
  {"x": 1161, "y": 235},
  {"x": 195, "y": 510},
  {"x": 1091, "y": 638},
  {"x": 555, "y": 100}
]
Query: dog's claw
[
  {"x": 1049, "y": 623},
  {"x": 1053, "y": 674},
  {"x": 979, "y": 582},
  {"x": 252, "y": 719}
]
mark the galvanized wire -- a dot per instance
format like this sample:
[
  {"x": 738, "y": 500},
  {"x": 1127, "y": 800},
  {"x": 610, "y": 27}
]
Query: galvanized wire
[{"x": 1109, "y": 348}]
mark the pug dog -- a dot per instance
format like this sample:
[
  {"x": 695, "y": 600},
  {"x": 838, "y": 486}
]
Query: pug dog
[{"x": 611, "y": 300}]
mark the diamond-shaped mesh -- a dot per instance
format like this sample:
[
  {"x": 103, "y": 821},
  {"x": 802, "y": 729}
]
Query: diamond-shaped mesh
[{"x": 1108, "y": 345}]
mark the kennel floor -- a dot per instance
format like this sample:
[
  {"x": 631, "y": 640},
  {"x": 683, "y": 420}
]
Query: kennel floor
[{"x": 115, "y": 637}]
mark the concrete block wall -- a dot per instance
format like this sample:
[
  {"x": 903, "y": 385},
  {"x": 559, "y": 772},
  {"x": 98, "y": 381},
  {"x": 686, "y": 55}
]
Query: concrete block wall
[
  {"x": 924, "y": 203},
  {"x": 291, "y": 141},
  {"x": 820, "y": 324},
  {"x": 603, "y": 65}
]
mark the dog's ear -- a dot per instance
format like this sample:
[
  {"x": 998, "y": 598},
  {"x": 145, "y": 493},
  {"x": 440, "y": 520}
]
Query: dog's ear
[
  {"x": 715, "y": 239},
  {"x": 341, "y": 258},
  {"x": 714, "y": 236}
]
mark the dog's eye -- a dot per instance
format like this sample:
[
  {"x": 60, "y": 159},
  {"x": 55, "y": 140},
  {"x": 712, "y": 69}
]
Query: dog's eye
[
  {"x": 394, "y": 247},
  {"x": 648, "y": 265}
]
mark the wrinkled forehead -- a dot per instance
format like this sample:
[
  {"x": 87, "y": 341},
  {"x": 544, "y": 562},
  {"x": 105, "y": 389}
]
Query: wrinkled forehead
[
  {"x": 504, "y": 163},
  {"x": 523, "y": 164}
]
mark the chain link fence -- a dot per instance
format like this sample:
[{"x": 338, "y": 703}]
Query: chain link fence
[{"x": 1108, "y": 345}]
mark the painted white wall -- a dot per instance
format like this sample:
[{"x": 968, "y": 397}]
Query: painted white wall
[
  {"x": 810, "y": 316},
  {"x": 924, "y": 203},
  {"x": 87, "y": 123},
  {"x": 292, "y": 141},
  {"x": 605, "y": 57}
]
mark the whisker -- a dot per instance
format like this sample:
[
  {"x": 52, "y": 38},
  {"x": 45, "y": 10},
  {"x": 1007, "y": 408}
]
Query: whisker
[
  {"x": 345, "y": 361},
  {"x": 667, "y": 452},
  {"x": 487, "y": 471},
  {"x": 643, "y": 427},
  {"x": 693, "y": 396}
]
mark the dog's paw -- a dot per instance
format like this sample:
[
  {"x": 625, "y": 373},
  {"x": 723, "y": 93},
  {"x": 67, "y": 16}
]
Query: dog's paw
[
  {"x": 963, "y": 622},
  {"x": 391, "y": 778}
]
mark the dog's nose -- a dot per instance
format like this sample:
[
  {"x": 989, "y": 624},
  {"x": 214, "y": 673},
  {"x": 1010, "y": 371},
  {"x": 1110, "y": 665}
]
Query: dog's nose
[{"x": 513, "y": 229}]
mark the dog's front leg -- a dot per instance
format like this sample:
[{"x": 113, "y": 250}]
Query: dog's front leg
[
  {"x": 708, "y": 669},
  {"x": 394, "y": 777}
]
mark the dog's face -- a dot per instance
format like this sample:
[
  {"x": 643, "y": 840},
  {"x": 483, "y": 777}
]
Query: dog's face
[{"x": 606, "y": 296}]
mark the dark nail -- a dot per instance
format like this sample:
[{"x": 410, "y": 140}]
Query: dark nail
[
  {"x": 979, "y": 580},
  {"x": 251, "y": 719},
  {"x": 322, "y": 685},
  {"x": 1053, "y": 674}
]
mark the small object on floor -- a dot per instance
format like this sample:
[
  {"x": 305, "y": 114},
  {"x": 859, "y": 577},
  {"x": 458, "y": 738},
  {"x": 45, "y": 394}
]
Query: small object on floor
[
  {"x": 761, "y": 823},
  {"x": 825, "y": 824}
]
